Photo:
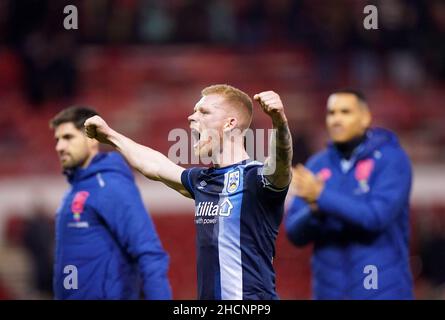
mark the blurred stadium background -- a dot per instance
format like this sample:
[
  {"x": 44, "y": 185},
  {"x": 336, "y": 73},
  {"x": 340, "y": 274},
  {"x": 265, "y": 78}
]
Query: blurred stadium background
[{"x": 142, "y": 64}]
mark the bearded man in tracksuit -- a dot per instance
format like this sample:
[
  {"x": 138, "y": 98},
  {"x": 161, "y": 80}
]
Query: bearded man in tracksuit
[
  {"x": 352, "y": 202},
  {"x": 106, "y": 244}
]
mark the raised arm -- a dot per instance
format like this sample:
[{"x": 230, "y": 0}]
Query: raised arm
[
  {"x": 151, "y": 163},
  {"x": 277, "y": 167}
]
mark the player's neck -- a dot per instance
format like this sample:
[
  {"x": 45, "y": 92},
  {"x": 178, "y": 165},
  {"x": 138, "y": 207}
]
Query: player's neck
[
  {"x": 89, "y": 159},
  {"x": 347, "y": 148},
  {"x": 230, "y": 155}
]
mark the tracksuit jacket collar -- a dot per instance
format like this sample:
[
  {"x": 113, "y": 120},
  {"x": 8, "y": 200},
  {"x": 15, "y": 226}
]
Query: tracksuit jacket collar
[
  {"x": 102, "y": 162},
  {"x": 374, "y": 139}
]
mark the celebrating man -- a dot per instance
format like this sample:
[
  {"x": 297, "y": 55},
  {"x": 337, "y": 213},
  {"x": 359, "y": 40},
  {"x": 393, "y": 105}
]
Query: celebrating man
[{"x": 239, "y": 202}]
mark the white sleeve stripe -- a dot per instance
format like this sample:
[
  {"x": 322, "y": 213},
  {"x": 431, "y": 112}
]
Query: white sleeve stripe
[{"x": 267, "y": 184}]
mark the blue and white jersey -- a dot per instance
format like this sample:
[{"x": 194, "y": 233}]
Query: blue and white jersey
[{"x": 237, "y": 216}]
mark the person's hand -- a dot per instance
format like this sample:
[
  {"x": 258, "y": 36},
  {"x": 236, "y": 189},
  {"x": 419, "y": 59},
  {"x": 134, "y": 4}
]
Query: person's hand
[
  {"x": 306, "y": 185},
  {"x": 271, "y": 104},
  {"x": 97, "y": 128}
]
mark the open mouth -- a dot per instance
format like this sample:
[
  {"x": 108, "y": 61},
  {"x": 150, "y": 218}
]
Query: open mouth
[{"x": 196, "y": 137}]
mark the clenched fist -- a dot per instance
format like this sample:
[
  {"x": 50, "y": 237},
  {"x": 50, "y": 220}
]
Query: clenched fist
[
  {"x": 271, "y": 104},
  {"x": 97, "y": 128}
]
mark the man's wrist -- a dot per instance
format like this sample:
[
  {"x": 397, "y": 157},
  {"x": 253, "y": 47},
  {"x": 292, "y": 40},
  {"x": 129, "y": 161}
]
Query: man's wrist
[
  {"x": 112, "y": 137},
  {"x": 320, "y": 188},
  {"x": 279, "y": 119}
]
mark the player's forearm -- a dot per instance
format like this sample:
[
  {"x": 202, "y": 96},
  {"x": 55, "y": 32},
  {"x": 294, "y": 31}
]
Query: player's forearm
[
  {"x": 144, "y": 159},
  {"x": 278, "y": 166},
  {"x": 301, "y": 227}
]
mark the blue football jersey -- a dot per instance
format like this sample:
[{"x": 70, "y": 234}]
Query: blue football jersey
[{"x": 237, "y": 216}]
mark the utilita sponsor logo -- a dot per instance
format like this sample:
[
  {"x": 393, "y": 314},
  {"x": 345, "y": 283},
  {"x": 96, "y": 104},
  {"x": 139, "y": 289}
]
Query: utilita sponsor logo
[{"x": 209, "y": 209}]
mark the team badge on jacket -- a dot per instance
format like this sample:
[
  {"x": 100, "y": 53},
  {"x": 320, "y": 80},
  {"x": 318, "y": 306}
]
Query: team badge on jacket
[
  {"x": 78, "y": 204},
  {"x": 233, "y": 181},
  {"x": 363, "y": 171}
]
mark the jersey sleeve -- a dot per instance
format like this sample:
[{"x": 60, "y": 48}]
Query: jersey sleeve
[
  {"x": 265, "y": 189},
  {"x": 189, "y": 179}
]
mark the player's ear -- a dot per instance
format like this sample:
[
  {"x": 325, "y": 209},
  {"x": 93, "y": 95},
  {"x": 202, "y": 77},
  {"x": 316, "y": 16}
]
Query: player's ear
[
  {"x": 230, "y": 124},
  {"x": 92, "y": 143},
  {"x": 366, "y": 119}
]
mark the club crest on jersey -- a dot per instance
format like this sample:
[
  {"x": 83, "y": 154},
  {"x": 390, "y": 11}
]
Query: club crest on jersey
[
  {"x": 78, "y": 204},
  {"x": 233, "y": 181}
]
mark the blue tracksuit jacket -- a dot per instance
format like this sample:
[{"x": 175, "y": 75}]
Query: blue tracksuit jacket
[
  {"x": 361, "y": 231},
  {"x": 106, "y": 244}
]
